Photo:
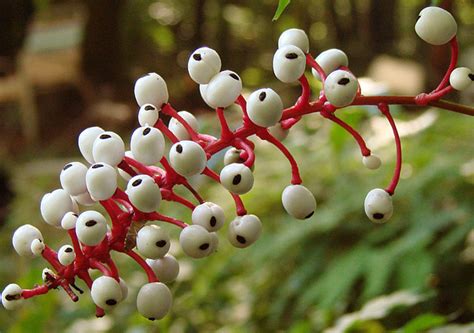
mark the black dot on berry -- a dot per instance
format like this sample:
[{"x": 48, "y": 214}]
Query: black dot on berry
[
  {"x": 160, "y": 243},
  {"x": 378, "y": 216},
  {"x": 262, "y": 96},
  {"x": 74, "y": 214},
  {"x": 68, "y": 250},
  {"x": 96, "y": 166},
  {"x": 471, "y": 76},
  {"x": 91, "y": 223},
  {"x": 213, "y": 221},
  {"x": 67, "y": 166},
  {"x": 146, "y": 131},
  {"x": 237, "y": 179},
  {"x": 197, "y": 56},
  {"x": 110, "y": 302},
  {"x": 10, "y": 297},
  {"x": 291, "y": 55},
  {"x": 204, "y": 246},
  {"x": 309, "y": 215},
  {"x": 137, "y": 182},
  {"x": 179, "y": 149},
  {"x": 241, "y": 239},
  {"x": 105, "y": 136},
  {"x": 234, "y": 76},
  {"x": 343, "y": 81},
  {"x": 151, "y": 318},
  {"x": 149, "y": 108}
]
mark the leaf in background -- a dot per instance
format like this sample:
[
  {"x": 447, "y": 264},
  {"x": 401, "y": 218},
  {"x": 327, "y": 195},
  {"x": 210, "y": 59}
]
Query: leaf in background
[
  {"x": 414, "y": 269},
  {"x": 424, "y": 322},
  {"x": 282, "y": 4},
  {"x": 436, "y": 2}
]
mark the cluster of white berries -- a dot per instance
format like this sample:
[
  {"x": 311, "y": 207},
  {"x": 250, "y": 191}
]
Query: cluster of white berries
[{"x": 147, "y": 184}]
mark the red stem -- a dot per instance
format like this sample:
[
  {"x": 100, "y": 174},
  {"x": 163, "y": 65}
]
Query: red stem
[{"x": 148, "y": 270}]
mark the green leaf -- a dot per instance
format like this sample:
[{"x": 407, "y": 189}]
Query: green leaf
[
  {"x": 436, "y": 2},
  {"x": 282, "y": 4},
  {"x": 424, "y": 322}
]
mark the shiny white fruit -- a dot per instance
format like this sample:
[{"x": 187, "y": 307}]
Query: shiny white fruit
[
  {"x": 91, "y": 227},
  {"x": 23, "y": 237},
  {"x": 329, "y": 61},
  {"x": 461, "y": 78},
  {"x": 151, "y": 89},
  {"x": 106, "y": 292},
  {"x": 341, "y": 88},
  {"x": 153, "y": 242},
  {"x": 237, "y": 178},
  {"x": 154, "y": 300},
  {"x": 69, "y": 220},
  {"x": 178, "y": 129},
  {"x": 55, "y": 205},
  {"x": 296, "y": 37},
  {"x": 232, "y": 155},
  {"x": 244, "y": 230},
  {"x": 436, "y": 26},
  {"x": 148, "y": 115},
  {"x": 371, "y": 162},
  {"x": 289, "y": 63},
  {"x": 11, "y": 297},
  {"x": 378, "y": 205},
  {"x": 187, "y": 158},
  {"x": 37, "y": 247},
  {"x": 86, "y": 140},
  {"x": 195, "y": 241},
  {"x": 203, "y": 64},
  {"x": 166, "y": 269},
  {"x": 208, "y": 215},
  {"x": 298, "y": 201},
  {"x": 101, "y": 181},
  {"x": 147, "y": 145},
  {"x": 223, "y": 89},
  {"x": 264, "y": 107},
  {"x": 73, "y": 178},
  {"x": 144, "y": 193},
  {"x": 66, "y": 255},
  {"x": 108, "y": 148}
]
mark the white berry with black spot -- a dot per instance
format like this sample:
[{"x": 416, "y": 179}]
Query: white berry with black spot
[
  {"x": 371, "y": 162},
  {"x": 108, "y": 148},
  {"x": 66, "y": 255},
  {"x": 341, "y": 88},
  {"x": 223, "y": 89},
  {"x": 153, "y": 242},
  {"x": 329, "y": 61},
  {"x": 378, "y": 205},
  {"x": 237, "y": 178},
  {"x": 148, "y": 115},
  {"x": 289, "y": 63},
  {"x": 166, "y": 268},
  {"x": 73, "y": 178},
  {"x": 101, "y": 181},
  {"x": 208, "y": 215},
  {"x": 91, "y": 227},
  {"x": 203, "y": 64},
  {"x": 11, "y": 297},
  {"x": 144, "y": 193},
  {"x": 147, "y": 145},
  {"x": 178, "y": 129},
  {"x": 86, "y": 141},
  {"x": 295, "y": 37},
  {"x": 151, "y": 89},
  {"x": 55, "y": 205},
  {"x": 154, "y": 300},
  {"x": 298, "y": 201},
  {"x": 232, "y": 155},
  {"x": 187, "y": 158},
  {"x": 264, "y": 107},
  {"x": 106, "y": 292},
  {"x": 436, "y": 26},
  {"x": 195, "y": 241},
  {"x": 244, "y": 230},
  {"x": 23, "y": 238},
  {"x": 461, "y": 78},
  {"x": 37, "y": 247}
]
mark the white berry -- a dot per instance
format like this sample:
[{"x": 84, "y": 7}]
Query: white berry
[
  {"x": 153, "y": 241},
  {"x": 69, "y": 221},
  {"x": 371, "y": 162},
  {"x": 86, "y": 140},
  {"x": 154, "y": 300},
  {"x": 329, "y": 61},
  {"x": 298, "y": 201},
  {"x": 23, "y": 238},
  {"x": 187, "y": 158},
  {"x": 237, "y": 178},
  {"x": 147, "y": 145},
  {"x": 195, "y": 241},
  {"x": 341, "y": 88},
  {"x": 208, "y": 215},
  {"x": 55, "y": 205},
  {"x": 461, "y": 78},
  {"x": 223, "y": 89},
  {"x": 144, "y": 193},
  {"x": 73, "y": 178},
  {"x": 108, "y": 148},
  {"x": 151, "y": 89},
  {"x": 264, "y": 107},
  {"x": 244, "y": 230},
  {"x": 378, "y": 205},
  {"x": 11, "y": 297},
  {"x": 296, "y": 37},
  {"x": 91, "y": 227},
  {"x": 37, "y": 247},
  {"x": 66, "y": 255},
  {"x": 166, "y": 268},
  {"x": 289, "y": 63},
  {"x": 84, "y": 199},
  {"x": 232, "y": 155},
  {"x": 148, "y": 115},
  {"x": 203, "y": 64},
  {"x": 178, "y": 129},
  {"x": 106, "y": 292},
  {"x": 436, "y": 26},
  {"x": 101, "y": 181}
]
